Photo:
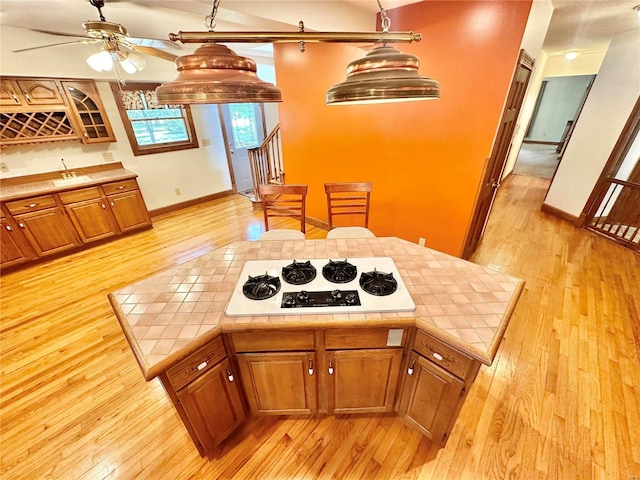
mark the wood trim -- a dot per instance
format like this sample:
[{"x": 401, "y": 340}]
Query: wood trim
[
  {"x": 556, "y": 212},
  {"x": 133, "y": 142},
  {"x": 227, "y": 148},
  {"x": 189, "y": 203}
]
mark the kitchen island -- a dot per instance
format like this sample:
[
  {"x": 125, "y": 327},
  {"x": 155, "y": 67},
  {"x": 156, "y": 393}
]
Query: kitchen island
[{"x": 217, "y": 368}]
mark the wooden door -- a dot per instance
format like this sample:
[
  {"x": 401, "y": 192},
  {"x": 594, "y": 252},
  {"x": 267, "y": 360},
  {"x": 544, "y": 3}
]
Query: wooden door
[
  {"x": 90, "y": 117},
  {"x": 495, "y": 163},
  {"x": 431, "y": 398},
  {"x": 13, "y": 248},
  {"x": 279, "y": 383},
  {"x": 40, "y": 92},
  {"x": 10, "y": 93},
  {"x": 92, "y": 219},
  {"x": 363, "y": 380},
  {"x": 48, "y": 230},
  {"x": 213, "y": 405},
  {"x": 129, "y": 210}
]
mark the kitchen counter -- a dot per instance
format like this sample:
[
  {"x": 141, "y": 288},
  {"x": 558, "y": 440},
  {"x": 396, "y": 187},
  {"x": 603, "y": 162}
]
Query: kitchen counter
[
  {"x": 17, "y": 188},
  {"x": 167, "y": 316}
]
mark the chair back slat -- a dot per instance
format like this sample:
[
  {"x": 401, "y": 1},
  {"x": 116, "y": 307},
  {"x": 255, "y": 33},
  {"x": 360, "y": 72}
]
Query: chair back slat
[
  {"x": 348, "y": 199},
  {"x": 284, "y": 201}
]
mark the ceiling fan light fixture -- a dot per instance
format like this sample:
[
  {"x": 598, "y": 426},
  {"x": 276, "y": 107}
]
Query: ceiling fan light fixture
[
  {"x": 383, "y": 75},
  {"x": 131, "y": 63},
  {"x": 216, "y": 74},
  {"x": 100, "y": 61}
]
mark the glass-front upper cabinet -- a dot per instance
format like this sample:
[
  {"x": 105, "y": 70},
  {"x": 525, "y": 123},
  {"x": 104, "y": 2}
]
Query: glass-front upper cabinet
[{"x": 92, "y": 121}]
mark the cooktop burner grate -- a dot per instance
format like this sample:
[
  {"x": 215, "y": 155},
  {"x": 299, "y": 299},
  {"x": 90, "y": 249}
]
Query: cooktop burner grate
[
  {"x": 261, "y": 287},
  {"x": 299, "y": 273},
  {"x": 378, "y": 283},
  {"x": 339, "y": 271}
]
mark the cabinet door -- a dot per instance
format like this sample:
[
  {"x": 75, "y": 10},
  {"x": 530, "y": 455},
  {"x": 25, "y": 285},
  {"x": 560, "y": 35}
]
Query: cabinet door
[
  {"x": 40, "y": 92},
  {"x": 431, "y": 398},
  {"x": 47, "y": 230},
  {"x": 13, "y": 248},
  {"x": 10, "y": 93},
  {"x": 279, "y": 383},
  {"x": 363, "y": 380},
  {"x": 213, "y": 406},
  {"x": 92, "y": 219},
  {"x": 129, "y": 210},
  {"x": 90, "y": 115}
]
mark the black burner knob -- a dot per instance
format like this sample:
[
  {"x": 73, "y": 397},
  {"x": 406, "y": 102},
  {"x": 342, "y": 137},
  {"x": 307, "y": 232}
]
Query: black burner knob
[
  {"x": 351, "y": 299},
  {"x": 303, "y": 296},
  {"x": 289, "y": 300},
  {"x": 336, "y": 294}
]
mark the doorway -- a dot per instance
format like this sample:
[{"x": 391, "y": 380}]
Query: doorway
[{"x": 244, "y": 128}]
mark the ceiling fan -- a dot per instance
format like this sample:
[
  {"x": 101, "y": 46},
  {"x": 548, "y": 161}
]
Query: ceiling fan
[{"x": 114, "y": 38}]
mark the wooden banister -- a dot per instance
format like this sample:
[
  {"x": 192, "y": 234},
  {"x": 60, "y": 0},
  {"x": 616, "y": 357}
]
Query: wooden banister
[{"x": 266, "y": 162}]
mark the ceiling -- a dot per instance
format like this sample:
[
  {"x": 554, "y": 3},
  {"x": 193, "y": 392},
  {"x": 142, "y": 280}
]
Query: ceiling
[{"x": 585, "y": 25}]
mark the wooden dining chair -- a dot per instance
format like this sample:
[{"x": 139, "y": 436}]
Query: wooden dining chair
[
  {"x": 283, "y": 201},
  {"x": 350, "y": 199}
]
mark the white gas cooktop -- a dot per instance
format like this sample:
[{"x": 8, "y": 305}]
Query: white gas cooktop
[{"x": 304, "y": 299}]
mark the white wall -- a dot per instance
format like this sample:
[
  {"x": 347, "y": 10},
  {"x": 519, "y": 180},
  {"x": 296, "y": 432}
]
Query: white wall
[
  {"x": 613, "y": 94},
  {"x": 195, "y": 172}
]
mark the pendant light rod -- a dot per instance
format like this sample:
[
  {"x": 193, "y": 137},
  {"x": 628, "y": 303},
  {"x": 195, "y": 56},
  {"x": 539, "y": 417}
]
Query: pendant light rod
[{"x": 290, "y": 37}]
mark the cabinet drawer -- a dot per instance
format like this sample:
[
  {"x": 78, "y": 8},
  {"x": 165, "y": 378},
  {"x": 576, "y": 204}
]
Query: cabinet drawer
[
  {"x": 347, "y": 338},
  {"x": 121, "y": 186},
  {"x": 31, "y": 204},
  {"x": 274, "y": 341},
  {"x": 442, "y": 354},
  {"x": 79, "y": 195},
  {"x": 197, "y": 363}
]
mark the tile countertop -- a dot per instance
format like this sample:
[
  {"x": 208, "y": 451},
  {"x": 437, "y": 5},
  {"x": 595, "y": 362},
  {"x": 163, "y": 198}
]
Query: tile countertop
[
  {"x": 43, "y": 187},
  {"x": 167, "y": 316}
]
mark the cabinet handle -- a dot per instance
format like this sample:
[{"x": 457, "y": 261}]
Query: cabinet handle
[
  {"x": 437, "y": 356},
  {"x": 410, "y": 369},
  {"x": 21, "y": 225},
  {"x": 229, "y": 374},
  {"x": 201, "y": 366},
  {"x": 330, "y": 366},
  {"x": 113, "y": 204},
  {"x": 8, "y": 227},
  {"x": 26, "y": 95},
  {"x": 86, "y": 135},
  {"x": 31, "y": 205},
  {"x": 121, "y": 187},
  {"x": 104, "y": 206},
  {"x": 15, "y": 97},
  {"x": 310, "y": 367}
]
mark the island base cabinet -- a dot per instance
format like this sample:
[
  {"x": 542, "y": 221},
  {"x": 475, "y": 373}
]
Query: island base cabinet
[
  {"x": 279, "y": 383},
  {"x": 431, "y": 398},
  {"x": 212, "y": 406},
  {"x": 48, "y": 231},
  {"x": 13, "y": 247},
  {"x": 362, "y": 381},
  {"x": 129, "y": 210}
]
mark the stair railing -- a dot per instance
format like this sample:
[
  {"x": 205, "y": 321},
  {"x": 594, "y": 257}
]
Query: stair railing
[{"x": 266, "y": 162}]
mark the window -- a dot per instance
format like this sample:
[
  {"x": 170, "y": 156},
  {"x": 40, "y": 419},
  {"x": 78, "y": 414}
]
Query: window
[
  {"x": 243, "y": 125},
  {"x": 153, "y": 128}
]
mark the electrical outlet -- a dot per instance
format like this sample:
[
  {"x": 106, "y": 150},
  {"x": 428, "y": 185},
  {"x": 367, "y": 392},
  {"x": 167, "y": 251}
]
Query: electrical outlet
[
  {"x": 206, "y": 142},
  {"x": 108, "y": 157},
  {"x": 421, "y": 241},
  {"x": 4, "y": 167},
  {"x": 178, "y": 192}
]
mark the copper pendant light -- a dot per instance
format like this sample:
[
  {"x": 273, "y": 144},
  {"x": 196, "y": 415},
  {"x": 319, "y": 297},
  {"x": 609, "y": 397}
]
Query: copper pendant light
[
  {"x": 383, "y": 75},
  {"x": 216, "y": 74}
]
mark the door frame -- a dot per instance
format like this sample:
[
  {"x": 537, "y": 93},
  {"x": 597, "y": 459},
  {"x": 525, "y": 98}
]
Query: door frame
[{"x": 495, "y": 163}]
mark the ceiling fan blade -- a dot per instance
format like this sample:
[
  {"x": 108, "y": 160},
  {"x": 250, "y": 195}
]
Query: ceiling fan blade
[
  {"x": 87, "y": 40},
  {"x": 152, "y": 42},
  {"x": 154, "y": 52},
  {"x": 59, "y": 34}
]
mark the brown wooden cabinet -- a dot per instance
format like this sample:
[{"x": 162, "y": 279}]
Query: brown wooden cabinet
[
  {"x": 213, "y": 406},
  {"x": 127, "y": 204},
  {"x": 363, "y": 381},
  {"x": 14, "y": 248},
  {"x": 90, "y": 119},
  {"x": 38, "y": 110},
  {"x": 431, "y": 398},
  {"x": 282, "y": 383},
  {"x": 44, "y": 224},
  {"x": 205, "y": 392},
  {"x": 89, "y": 214}
]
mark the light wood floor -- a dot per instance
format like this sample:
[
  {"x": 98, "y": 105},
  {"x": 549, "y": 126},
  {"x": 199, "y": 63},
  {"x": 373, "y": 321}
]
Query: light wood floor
[{"x": 561, "y": 401}]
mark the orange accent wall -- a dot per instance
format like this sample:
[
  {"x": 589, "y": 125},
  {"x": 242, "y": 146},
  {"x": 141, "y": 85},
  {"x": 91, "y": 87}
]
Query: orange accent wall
[{"x": 425, "y": 158}]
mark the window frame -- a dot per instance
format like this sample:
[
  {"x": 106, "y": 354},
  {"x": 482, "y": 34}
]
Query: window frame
[{"x": 137, "y": 149}]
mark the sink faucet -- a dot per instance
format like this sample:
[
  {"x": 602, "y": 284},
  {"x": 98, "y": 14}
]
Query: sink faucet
[{"x": 67, "y": 173}]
